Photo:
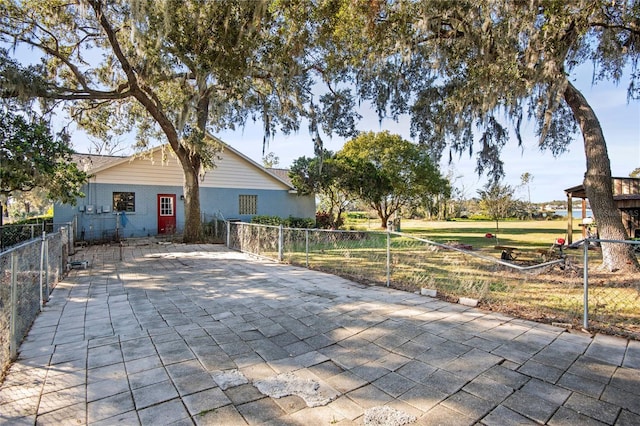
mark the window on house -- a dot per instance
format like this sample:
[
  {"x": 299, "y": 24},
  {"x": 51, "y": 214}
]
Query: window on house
[
  {"x": 166, "y": 206},
  {"x": 124, "y": 201},
  {"x": 248, "y": 204}
]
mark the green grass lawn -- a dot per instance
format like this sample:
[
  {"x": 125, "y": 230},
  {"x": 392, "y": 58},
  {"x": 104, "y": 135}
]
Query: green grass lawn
[
  {"x": 529, "y": 234},
  {"x": 524, "y": 233}
]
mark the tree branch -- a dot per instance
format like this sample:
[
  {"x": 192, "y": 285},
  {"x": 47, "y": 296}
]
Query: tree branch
[
  {"x": 632, "y": 29},
  {"x": 142, "y": 93}
]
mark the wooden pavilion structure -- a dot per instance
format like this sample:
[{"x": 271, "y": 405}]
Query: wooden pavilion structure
[{"x": 626, "y": 196}]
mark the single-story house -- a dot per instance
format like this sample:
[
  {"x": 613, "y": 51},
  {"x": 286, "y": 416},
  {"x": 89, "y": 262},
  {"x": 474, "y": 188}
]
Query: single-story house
[
  {"x": 626, "y": 196},
  {"x": 142, "y": 195}
]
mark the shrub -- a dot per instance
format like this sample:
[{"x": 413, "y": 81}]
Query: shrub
[
  {"x": 290, "y": 222},
  {"x": 298, "y": 222},
  {"x": 324, "y": 220},
  {"x": 34, "y": 220},
  {"x": 266, "y": 220}
]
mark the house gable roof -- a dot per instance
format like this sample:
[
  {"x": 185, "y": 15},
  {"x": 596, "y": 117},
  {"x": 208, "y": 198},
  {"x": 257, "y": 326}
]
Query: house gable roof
[
  {"x": 92, "y": 163},
  {"x": 283, "y": 174},
  {"x": 108, "y": 165}
]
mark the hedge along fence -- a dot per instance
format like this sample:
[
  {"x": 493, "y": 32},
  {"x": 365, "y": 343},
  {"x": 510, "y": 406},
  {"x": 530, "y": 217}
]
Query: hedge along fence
[
  {"x": 563, "y": 290},
  {"x": 28, "y": 274}
]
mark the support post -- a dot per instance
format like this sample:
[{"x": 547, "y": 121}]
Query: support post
[
  {"x": 258, "y": 243},
  {"x": 569, "y": 218},
  {"x": 585, "y": 317},
  {"x": 280, "y": 243},
  {"x": 44, "y": 238},
  {"x": 13, "y": 338},
  {"x": 306, "y": 246},
  {"x": 228, "y": 234},
  {"x": 118, "y": 227},
  {"x": 388, "y": 258},
  {"x": 46, "y": 270}
]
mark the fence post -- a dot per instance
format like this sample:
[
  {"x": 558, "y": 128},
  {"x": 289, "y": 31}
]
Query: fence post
[
  {"x": 258, "y": 244},
  {"x": 13, "y": 338},
  {"x": 228, "y": 234},
  {"x": 46, "y": 270},
  {"x": 42, "y": 243},
  {"x": 280, "y": 243},
  {"x": 388, "y": 258},
  {"x": 585, "y": 318},
  {"x": 306, "y": 246},
  {"x": 71, "y": 239}
]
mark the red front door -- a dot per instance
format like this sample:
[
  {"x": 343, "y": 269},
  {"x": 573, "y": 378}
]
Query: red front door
[{"x": 166, "y": 213}]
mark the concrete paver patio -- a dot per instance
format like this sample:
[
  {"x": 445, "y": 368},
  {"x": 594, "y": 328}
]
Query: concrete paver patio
[{"x": 186, "y": 334}]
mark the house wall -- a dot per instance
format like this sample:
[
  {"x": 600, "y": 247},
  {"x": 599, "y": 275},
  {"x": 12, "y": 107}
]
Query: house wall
[
  {"x": 224, "y": 203},
  {"x": 219, "y": 202},
  {"x": 220, "y": 189},
  {"x": 96, "y": 226}
]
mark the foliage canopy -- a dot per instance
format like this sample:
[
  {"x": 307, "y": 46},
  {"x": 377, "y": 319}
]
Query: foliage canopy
[
  {"x": 496, "y": 199},
  {"x": 323, "y": 176},
  {"x": 176, "y": 71},
  {"x": 389, "y": 173},
  {"x": 469, "y": 73}
]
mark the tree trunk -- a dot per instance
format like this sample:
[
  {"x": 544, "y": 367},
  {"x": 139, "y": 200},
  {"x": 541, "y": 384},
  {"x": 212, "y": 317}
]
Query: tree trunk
[
  {"x": 192, "y": 223},
  {"x": 381, "y": 214},
  {"x": 598, "y": 186}
]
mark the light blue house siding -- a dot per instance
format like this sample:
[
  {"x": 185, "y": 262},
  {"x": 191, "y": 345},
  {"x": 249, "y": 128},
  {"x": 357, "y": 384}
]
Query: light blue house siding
[
  {"x": 220, "y": 201},
  {"x": 98, "y": 223},
  {"x": 95, "y": 218}
]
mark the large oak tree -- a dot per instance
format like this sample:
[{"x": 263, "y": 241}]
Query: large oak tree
[
  {"x": 471, "y": 72},
  {"x": 173, "y": 70}
]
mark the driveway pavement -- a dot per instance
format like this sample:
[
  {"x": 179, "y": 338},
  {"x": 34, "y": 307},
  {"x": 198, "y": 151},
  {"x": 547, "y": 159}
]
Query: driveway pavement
[{"x": 197, "y": 334}]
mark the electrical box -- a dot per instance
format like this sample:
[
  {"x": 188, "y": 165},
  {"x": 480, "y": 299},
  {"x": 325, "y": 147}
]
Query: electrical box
[
  {"x": 80, "y": 208},
  {"x": 106, "y": 209},
  {"x": 90, "y": 209},
  {"x": 99, "y": 209}
]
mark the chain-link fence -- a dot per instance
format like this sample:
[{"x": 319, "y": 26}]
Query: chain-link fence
[
  {"x": 610, "y": 302},
  {"x": 13, "y": 234},
  {"x": 28, "y": 273},
  {"x": 214, "y": 228},
  {"x": 540, "y": 284}
]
